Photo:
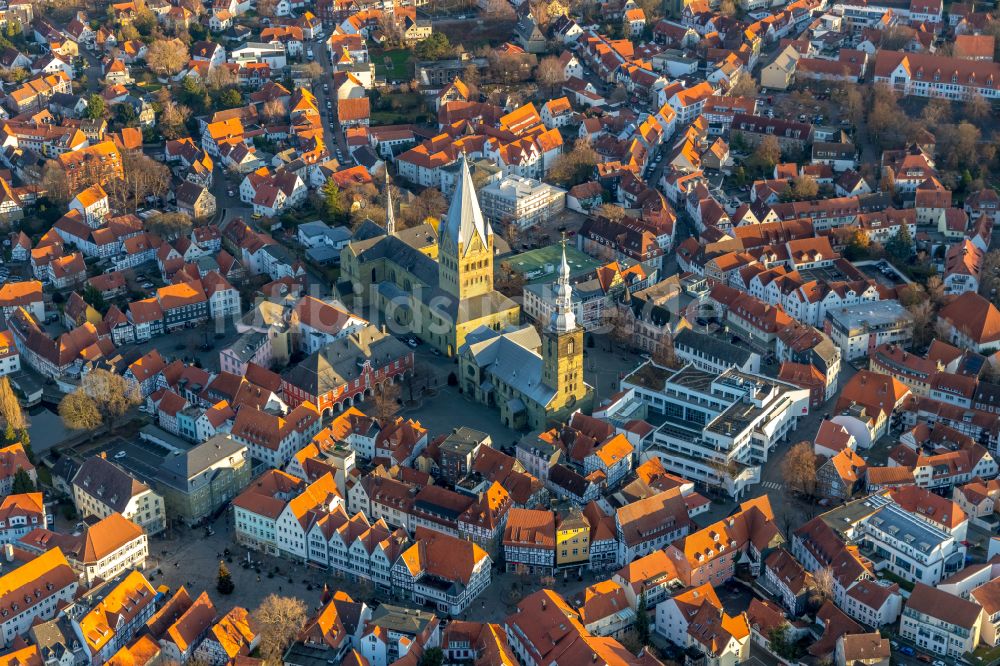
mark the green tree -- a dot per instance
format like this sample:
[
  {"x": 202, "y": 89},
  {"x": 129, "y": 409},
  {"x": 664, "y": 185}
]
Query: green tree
[
  {"x": 22, "y": 482},
  {"x": 224, "y": 581},
  {"x": 435, "y": 47},
  {"x": 96, "y": 107},
  {"x": 95, "y": 299},
  {"x": 230, "y": 99},
  {"x": 857, "y": 246},
  {"x": 779, "y": 642},
  {"x": 145, "y": 22},
  {"x": 432, "y": 657},
  {"x": 194, "y": 95},
  {"x": 333, "y": 202},
  {"x": 642, "y": 621},
  {"x": 125, "y": 114},
  {"x": 900, "y": 246}
]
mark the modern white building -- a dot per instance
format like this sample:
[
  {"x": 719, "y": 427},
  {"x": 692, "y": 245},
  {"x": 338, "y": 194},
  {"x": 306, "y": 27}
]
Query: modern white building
[
  {"x": 940, "y": 622},
  {"x": 894, "y": 540},
  {"x": 715, "y": 429},
  {"x": 859, "y": 329},
  {"x": 522, "y": 201}
]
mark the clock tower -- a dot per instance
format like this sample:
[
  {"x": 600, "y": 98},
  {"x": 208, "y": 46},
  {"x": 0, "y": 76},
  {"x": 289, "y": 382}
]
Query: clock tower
[{"x": 562, "y": 347}]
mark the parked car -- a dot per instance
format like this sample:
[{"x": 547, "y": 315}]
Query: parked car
[{"x": 907, "y": 650}]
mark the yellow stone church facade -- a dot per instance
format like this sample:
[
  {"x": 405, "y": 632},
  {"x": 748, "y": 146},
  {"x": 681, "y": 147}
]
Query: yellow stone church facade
[{"x": 435, "y": 284}]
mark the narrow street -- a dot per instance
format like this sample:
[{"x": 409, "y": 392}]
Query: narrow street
[{"x": 332, "y": 135}]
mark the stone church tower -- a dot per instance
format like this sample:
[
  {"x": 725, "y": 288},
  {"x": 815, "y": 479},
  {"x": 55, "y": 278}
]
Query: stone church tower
[
  {"x": 465, "y": 248},
  {"x": 562, "y": 347}
]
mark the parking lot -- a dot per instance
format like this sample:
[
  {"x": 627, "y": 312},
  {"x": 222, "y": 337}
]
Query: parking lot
[{"x": 882, "y": 272}]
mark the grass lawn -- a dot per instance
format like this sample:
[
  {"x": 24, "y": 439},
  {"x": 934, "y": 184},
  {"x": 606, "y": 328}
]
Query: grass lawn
[
  {"x": 903, "y": 583},
  {"x": 474, "y": 34},
  {"x": 399, "y": 108},
  {"x": 394, "y": 65},
  {"x": 44, "y": 476},
  {"x": 984, "y": 655}
]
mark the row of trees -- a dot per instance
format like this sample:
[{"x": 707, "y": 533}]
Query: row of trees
[
  {"x": 143, "y": 177},
  {"x": 358, "y": 202}
]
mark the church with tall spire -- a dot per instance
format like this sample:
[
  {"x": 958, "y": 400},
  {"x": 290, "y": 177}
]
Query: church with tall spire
[
  {"x": 434, "y": 280},
  {"x": 535, "y": 380}
]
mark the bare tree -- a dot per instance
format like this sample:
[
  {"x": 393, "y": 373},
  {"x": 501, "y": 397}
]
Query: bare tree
[
  {"x": 989, "y": 277},
  {"x": 805, "y": 188},
  {"x": 978, "y": 108},
  {"x": 267, "y": 8},
  {"x": 221, "y": 77},
  {"x": 279, "y": 620},
  {"x": 610, "y": 211},
  {"x": 768, "y": 152},
  {"x": 798, "y": 469},
  {"x": 170, "y": 226},
  {"x": 79, "y": 412},
  {"x": 853, "y": 103},
  {"x": 10, "y": 407},
  {"x": 273, "y": 110},
  {"x": 499, "y": 10},
  {"x": 745, "y": 86},
  {"x": 144, "y": 177},
  {"x": 550, "y": 72},
  {"x": 173, "y": 120},
  {"x": 935, "y": 289},
  {"x": 102, "y": 398},
  {"x": 386, "y": 400},
  {"x": 416, "y": 380},
  {"x": 167, "y": 56},
  {"x": 574, "y": 167},
  {"x": 313, "y": 70},
  {"x": 824, "y": 587},
  {"x": 665, "y": 355},
  {"x": 429, "y": 203},
  {"x": 509, "y": 282},
  {"x": 55, "y": 183},
  {"x": 937, "y": 112}
]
